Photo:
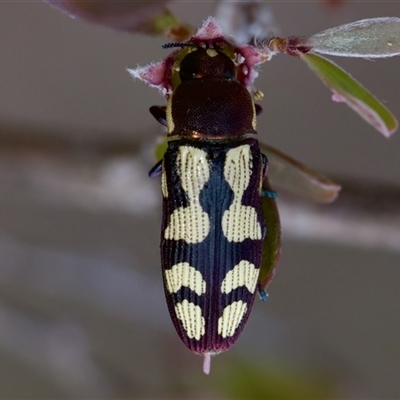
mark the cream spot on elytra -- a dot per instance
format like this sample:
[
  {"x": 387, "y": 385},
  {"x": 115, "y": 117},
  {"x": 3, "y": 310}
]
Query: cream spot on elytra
[
  {"x": 191, "y": 223},
  {"x": 239, "y": 222},
  {"x": 231, "y": 318},
  {"x": 243, "y": 274},
  {"x": 184, "y": 275},
  {"x": 192, "y": 320}
]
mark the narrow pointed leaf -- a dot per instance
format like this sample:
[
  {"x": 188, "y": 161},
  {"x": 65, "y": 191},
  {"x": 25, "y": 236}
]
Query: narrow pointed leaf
[
  {"x": 295, "y": 177},
  {"x": 368, "y": 38},
  {"x": 272, "y": 242},
  {"x": 347, "y": 89}
]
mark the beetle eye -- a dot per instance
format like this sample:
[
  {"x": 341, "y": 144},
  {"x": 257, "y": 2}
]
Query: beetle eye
[{"x": 206, "y": 63}]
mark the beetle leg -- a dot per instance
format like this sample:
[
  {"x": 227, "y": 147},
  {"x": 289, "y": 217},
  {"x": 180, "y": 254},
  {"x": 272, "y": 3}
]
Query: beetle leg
[
  {"x": 159, "y": 113},
  {"x": 269, "y": 193},
  {"x": 265, "y": 166},
  {"x": 262, "y": 293},
  {"x": 156, "y": 170}
]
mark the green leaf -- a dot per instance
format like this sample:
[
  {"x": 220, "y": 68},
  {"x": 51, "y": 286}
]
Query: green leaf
[
  {"x": 165, "y": 23},
  {"x": 368, "y": 38},
  {"x": 160, "y": 149},
  {"x": 295, "y": 177},
  {"x": 236, "y": 379},
  {"x": 348, "y": 90},
  {"x": 272, "y": 242}
]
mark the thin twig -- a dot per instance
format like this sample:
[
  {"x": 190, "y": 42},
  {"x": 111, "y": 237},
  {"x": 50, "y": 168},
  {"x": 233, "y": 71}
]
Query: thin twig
[
  {"x": 88, "y": 170},
  {"x": 365, "y": 214}
]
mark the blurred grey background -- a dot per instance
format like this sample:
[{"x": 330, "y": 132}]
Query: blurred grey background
[{"x": 82, "y": 310}]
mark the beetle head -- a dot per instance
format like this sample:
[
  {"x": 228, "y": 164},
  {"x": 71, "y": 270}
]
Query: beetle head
[{"x": 203, "y": 63}]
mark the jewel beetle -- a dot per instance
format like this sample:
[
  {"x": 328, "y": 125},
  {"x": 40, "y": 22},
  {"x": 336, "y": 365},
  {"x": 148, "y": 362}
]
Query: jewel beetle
[{"x": 211, "y": 179}]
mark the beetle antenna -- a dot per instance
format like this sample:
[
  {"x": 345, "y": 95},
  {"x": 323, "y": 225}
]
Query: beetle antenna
[
  {"x": 173, "y": 44},
  {"x": 207, "y": 363}
]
